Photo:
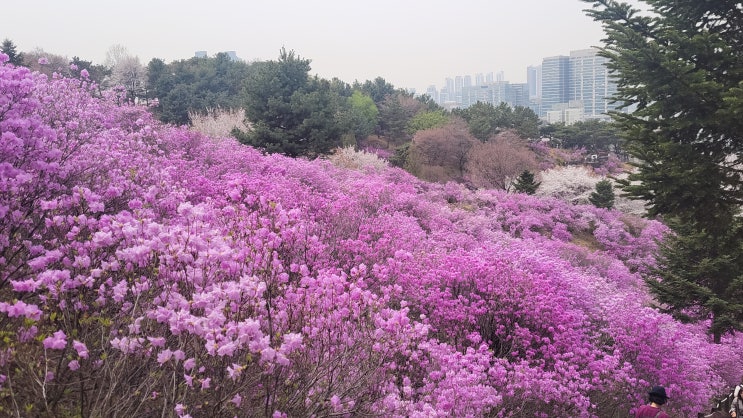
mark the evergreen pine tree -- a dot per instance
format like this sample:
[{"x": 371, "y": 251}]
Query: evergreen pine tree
[
  {"x": 700, "y": 271},
  {"x": 14, "y": 57},
  {"x": 678, "y": 63},
  {"x": 603, "y": 196},
  {"x": 291, "y": 112},
  {"x": 525, "y": 183}
]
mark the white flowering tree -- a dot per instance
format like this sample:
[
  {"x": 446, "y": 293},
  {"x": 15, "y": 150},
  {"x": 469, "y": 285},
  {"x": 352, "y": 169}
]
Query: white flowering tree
[
  {"x": 126, "y": 71},
  {"x": 218, "y": 122}
]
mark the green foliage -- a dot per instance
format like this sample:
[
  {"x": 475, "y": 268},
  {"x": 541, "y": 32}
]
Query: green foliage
[
  {"x": 698, "y": 276},
  {"x": 525, "y": 122},
  {"x": 525, "y": 183},
  {"x": 8, "y": 48},
  {"x": 401, "y": 156},
  {"x": 195, "y": 85},
  {"x": 486, "y": 120},
  {"x": 592, "y": 134},
  {"x": 96, "y": 73},
  {"x": 394, "y": 115},
  {"x": 680, "y": 66},
  {"x": 429, "y": 103},
  {"x": 428, "y": 119},
  {"x": 378, "y": 90},
  {"x": 291, "y": 113},
  {"x": 603, "y": 196},
  {"x": 363, "y": 114}
]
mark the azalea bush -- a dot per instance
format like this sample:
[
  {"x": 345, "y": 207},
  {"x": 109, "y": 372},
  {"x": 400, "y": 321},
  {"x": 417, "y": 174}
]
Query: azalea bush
[
  {"x": 149, "y": 269},
  {"x": 575, "y": 184}
]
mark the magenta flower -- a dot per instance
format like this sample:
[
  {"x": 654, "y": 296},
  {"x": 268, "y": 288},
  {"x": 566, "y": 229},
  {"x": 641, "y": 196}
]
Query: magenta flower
[
  {"x": 82, "y": 350},
  {"x": 57, "y": 341},
  {"x": 164, "y": 356}
]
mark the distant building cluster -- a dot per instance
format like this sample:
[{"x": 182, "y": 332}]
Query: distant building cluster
[
  {"x": 232, "y": 54},
  {"x": 564, "y": 89}
]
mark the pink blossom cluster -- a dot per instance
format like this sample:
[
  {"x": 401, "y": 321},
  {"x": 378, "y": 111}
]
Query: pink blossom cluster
[{"x": 148, "y": 268}]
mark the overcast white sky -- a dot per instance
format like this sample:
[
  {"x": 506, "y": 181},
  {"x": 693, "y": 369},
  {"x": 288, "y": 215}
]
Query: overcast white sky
[{"x": 410, "y": 43}]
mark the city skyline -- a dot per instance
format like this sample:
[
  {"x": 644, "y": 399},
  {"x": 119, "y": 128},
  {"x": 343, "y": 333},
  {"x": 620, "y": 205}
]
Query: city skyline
[
  {"x": 411, "y": 44},
  {"x": 563, "y": 88}
]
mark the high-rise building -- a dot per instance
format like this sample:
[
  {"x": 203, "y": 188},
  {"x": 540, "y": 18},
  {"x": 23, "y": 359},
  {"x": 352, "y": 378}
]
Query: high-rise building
[
  {"x": 555, "y": 82},
  {"x": 458, "y": 87},
  {"x": 517, "y": 94},
  {"x": 563, "y": 88},
  {"x": 450, "y": 87},
  {"x": 233, "y": 55},
  {"x": 534, "y": 80},
  {"x": 590, "y": 82},
  {"x": 433, "y": 93}
]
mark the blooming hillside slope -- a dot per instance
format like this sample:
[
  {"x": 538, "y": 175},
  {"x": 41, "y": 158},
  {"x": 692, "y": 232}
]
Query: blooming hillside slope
[{"x": 147, "y": 269}]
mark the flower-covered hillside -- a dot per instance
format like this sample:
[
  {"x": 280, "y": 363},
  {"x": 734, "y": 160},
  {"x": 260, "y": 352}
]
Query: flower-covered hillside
[{"x": 147, "y": 268}]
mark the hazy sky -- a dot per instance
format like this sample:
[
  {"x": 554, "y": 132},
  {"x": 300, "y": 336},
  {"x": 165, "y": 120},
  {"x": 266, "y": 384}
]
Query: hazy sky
[{"x": 410, "y": 43}]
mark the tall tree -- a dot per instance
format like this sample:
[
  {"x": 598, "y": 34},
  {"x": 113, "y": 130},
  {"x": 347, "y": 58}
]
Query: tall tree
[
  {"x": 680, "y": 64},
  {"x": 126, "y": 71},
  {"x": 441, "y": 153},
  {"x": 427, "y": 119},
  {"x": 592, "y": 134},
  {"x": 291, "y": 112},
  {"x": 498, "y": 162},
  {"x": 8, "y": 48},
  {"x": 378, "y": 90},
  {"x": 395, "y": 113},
  {"x": 486, "y": 120},
  {"x": 525, "y": 183},
  {"x": 96, "y": 72},
  {"x": 195, "y": 85},
  {"x": 362, "y": 115},
  {"x": 603, "y": 196}
]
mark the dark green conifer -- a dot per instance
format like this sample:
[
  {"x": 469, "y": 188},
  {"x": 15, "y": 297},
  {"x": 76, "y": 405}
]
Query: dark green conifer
[
  {"x": 525, "y": 183},
  {"x": 291, "y": 112},
  {"x": 679, "y": 65},
  {"x": 8, "y": 48},
  {"x": 603, "y": 196}
]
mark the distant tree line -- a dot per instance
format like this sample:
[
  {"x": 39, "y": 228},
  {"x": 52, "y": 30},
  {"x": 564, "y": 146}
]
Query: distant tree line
[{"x": 290, "y": 111}]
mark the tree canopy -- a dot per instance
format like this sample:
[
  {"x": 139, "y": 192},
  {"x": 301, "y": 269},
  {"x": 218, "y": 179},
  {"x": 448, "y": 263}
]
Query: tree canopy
[
  {"x": 195, "y": 85},
  {"x": 9, "y": 48},
  {"x": 363, "y": 114},
  {"x": 486, "y": 120},
  {"x": 679, "y": 64},
  {"x": 591, "y": 134},
  {"x": 291, "y": 112},
  {"x": 603, "y": 196},
  {"x": 525, "y": 183}
]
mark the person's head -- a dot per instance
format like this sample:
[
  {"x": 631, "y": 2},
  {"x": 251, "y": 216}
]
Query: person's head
[
  {"x": 738, "y": 392},
  {"x": 658, "y": 395}
]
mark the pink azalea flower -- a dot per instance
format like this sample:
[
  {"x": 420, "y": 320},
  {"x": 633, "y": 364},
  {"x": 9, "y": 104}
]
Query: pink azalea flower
[
  {"x": 57, "y": 341},
  {"x": 82, "y": 350},
  {"x": 164, "y": 356}
]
